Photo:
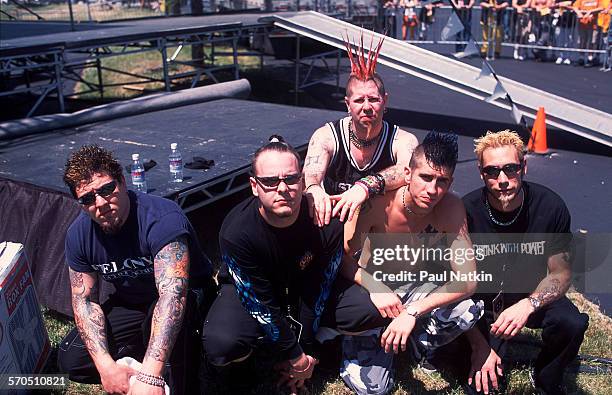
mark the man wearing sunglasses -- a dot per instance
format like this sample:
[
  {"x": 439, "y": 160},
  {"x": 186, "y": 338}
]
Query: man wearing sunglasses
[
  {"x": 278, "y": 281},
  {"x": 145, "y": 246},
  {"x": 523, "y": 229}
]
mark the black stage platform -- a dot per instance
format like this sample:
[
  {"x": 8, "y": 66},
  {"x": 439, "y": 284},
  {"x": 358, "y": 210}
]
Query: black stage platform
[
  {"x": 19, "y": 35},
  {"x": 227, "y": 131}
]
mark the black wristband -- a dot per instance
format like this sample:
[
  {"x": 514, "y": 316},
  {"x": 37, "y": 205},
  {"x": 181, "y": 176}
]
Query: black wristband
[{"x": 381, "y": 183}]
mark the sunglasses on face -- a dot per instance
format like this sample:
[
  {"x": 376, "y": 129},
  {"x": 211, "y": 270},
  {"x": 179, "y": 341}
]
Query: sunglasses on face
[
  {"x": 511, "y": 169},
  {"x": 273, "y": 182},
  {"x": 104, "y": 191}
]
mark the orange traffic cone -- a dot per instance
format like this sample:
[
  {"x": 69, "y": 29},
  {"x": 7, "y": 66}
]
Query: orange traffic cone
[{"x": 537, "y": 141}]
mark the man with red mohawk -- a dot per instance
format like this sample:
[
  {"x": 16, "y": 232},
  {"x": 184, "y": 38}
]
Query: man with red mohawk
[{"x": 358, "y": 156}]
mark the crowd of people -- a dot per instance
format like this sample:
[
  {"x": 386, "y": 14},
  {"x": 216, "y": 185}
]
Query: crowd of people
[
  {"x": 296, "y": 265},
  {"x": 530, "y": 25}
]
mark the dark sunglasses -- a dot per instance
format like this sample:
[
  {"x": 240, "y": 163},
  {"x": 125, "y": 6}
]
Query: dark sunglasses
[
  {"x": 104, "y": 191},
  {"x": 511, "y": 169},
  {"x": 273, "y": 182}
]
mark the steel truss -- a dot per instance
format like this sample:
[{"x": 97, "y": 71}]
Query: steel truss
[{"x": 46, "y": 71}]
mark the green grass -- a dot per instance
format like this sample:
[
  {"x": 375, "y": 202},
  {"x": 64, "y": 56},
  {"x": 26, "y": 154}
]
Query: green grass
[
  {"x": 413, "y": 381},
  {"x": 149, "y": 64},
  {"x": 61, "y": 12}
]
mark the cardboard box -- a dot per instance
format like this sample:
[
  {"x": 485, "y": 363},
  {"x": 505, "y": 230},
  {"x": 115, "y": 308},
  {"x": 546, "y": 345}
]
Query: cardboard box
[{"x": 24, "y": 342}]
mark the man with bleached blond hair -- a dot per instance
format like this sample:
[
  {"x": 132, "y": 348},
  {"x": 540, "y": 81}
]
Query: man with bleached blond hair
[{"x": 523, "y": 229}]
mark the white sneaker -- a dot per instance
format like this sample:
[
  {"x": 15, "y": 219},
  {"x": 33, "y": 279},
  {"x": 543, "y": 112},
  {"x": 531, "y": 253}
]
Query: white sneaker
[
  {"x": 516, "y": 55},
  {"x": 567, "y": 61},
  {"x": 559, "y": 60},
  {"x": 521, "y": 58}
]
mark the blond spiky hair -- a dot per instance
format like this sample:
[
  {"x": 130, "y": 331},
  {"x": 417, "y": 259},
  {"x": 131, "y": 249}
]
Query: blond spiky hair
[
  {"x": 499, "y": 139},
  {"x": 362, "y": 67}
]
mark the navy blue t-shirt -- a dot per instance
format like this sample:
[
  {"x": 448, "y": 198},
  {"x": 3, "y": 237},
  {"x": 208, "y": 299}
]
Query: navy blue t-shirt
[{"x": 126, "y": 258}]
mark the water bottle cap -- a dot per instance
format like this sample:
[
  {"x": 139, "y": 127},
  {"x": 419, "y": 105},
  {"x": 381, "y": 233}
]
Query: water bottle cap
[
  {"x": 173, "y": 146},
  {"x": 135, "y": 156}
]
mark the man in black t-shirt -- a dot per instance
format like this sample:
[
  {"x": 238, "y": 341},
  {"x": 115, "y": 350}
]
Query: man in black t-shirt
[
  {"x": 530, "y": 249},
  {"x": 278, "y": 284},
  {"x": 147, "y": 248}
]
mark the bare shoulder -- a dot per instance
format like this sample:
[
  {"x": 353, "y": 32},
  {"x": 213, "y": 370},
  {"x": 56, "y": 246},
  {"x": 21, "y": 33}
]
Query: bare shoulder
[
  {"x": 404, "y": 144},
  {"x": 322, "y": 138},
  {"x": 405, "y": 137},
  {"x": 450, "y": 213}
]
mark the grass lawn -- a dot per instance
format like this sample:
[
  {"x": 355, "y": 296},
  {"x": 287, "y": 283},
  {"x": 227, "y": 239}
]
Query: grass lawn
[
  {"x": 413, "y": 381},
  {"x": 60, "y": 12},
  {"x": 150, "y": 64}
]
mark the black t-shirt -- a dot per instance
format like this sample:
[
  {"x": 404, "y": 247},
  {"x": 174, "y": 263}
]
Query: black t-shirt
[
  {"x": 126, "y": 258},
  {"x": 541, "y": 229},
  {"x": 263, "y": 262},
  {"x": 343, "y": 171}
]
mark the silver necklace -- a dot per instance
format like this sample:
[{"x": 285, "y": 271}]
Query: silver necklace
[
  {"x": 357, "y": 142},
  {"x": 496, "y": 222},
  {"x": 408, "y": 210}
]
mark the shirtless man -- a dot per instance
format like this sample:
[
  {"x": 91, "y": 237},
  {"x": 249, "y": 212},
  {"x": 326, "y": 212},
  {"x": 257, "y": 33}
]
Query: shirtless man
[
  {"x": 429, "y": 314},
  {"x": 360, "y": 155}
]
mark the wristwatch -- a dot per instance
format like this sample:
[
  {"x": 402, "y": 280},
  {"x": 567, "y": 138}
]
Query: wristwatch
[
  {"x": 413, "y": 312},
  {"x": 535, "y": 303}
]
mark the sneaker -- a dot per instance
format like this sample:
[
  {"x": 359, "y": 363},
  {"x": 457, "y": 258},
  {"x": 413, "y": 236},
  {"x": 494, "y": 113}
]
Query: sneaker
[
  {"x": 516, "y": 54},
  {"x": 559, "y": 60},
  {"x": 521, "y": 58},
  {"x": 567, "y": 61},
  {"x": 426, "y": 366}
]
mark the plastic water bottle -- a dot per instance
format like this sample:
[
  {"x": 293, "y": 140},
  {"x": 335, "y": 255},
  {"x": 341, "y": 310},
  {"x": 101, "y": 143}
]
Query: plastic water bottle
[
  {"x": 138, "y": 174},
  {"x": 176, "y": 164}
]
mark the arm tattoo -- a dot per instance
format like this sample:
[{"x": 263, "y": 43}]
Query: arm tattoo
[
  {"x": 550, "y": 293},
  {"x": 393, "y": 177},
  {"x": 171, "y": 276},
  {"x": 315, "y": 164},
  {"x": 88, "y": 316}
]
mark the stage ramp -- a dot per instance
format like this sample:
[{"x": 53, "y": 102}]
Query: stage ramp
[{"x": 562, "y": 113}]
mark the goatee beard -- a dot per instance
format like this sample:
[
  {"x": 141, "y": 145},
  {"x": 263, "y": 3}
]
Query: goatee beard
[
  {"x": 111, "y": 229},
  {"x": 505, "y": 201}
]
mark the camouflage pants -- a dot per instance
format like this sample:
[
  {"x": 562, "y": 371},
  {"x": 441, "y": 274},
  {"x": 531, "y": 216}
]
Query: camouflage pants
[
  {"x": 368, "y": 370},
  {"x": 443, "y": 324}
]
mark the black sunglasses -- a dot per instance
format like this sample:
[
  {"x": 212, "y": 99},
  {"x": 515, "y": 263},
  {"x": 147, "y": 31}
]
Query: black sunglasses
[
  {"x": 273, "y": 182},
  {"x": 104, "y": 191},
  {"x": 511, "y": 169}
]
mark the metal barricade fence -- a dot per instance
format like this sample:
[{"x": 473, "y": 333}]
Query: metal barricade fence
[
  {"x": 80, "y": 10},
  {"x": 530, "y": 34}
]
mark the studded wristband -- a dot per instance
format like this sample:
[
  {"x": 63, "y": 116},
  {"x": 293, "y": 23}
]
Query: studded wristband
[{"x": 150, "y": 379}]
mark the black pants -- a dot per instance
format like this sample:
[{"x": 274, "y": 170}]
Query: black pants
[
  {"x": 128, "y": 329},
  {"x": 563, "y": 328},
  {"x": 231, "y": 334}
]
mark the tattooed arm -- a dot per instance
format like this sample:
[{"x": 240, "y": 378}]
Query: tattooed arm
[
  {"x": 91, "y": 323},
  {"x": 403, "y": 145},
  {"x": 318, "y": 157},
  {"x": 551, "y": 288},
  {"x": 171, "y": 266},
  {"x": 347, "y": 204},
  {"x": 557, "y": 282}
]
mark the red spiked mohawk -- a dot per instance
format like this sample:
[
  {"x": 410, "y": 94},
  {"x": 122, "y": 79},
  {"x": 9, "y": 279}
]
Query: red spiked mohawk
[{"x": 362, "y": 67}]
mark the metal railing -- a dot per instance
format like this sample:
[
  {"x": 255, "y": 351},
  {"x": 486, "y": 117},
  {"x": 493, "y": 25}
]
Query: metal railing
[{"x": 555, "y": 36}]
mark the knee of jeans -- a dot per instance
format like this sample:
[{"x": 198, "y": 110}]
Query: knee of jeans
[
  {"x": 70, "y": 346},
  {"x": 572, "y": 325},
  {"x": 221, "y": 348}
]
